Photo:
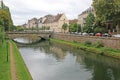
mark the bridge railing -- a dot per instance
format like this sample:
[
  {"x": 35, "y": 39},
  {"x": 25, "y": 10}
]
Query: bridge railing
[{"x": 30, "y": 32}]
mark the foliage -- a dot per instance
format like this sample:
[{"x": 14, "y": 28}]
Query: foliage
[
  {"x": 5, "y": 18},
  {"x": 38, "y": 28},
  {"x": 4, "y": 65},
  {"x": 2, "y": 35},
  {"x": 88, "y": 43},
  {"x": 99, "y": 44},
  {"x": 74, "y": 27},
  {"x": 88, "y": 28},
  {"x": 65, "y": 26},
  {"x": 100, "y": 30},
  {"x": 107, "y": 10},
  {"x": 19, "y": 28},
  {"x": 114, "y": 53},
  {"x": 45, "y": 28}
]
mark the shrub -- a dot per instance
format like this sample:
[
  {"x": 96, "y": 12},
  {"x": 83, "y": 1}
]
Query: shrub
[
  {"x": 99, "y": 30},
  {"x": 99, "y": 44},
  {"x": 88, "y": 43}
]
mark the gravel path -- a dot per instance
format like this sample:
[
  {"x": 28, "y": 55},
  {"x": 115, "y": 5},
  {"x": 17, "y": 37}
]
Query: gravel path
[{"x": 12, "y": 64}]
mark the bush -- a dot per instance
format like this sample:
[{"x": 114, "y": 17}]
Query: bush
[
  {"x": 88, "y": 43},
  {"x": 99, "y": 44},
  {"x": 99, "y": 30}
]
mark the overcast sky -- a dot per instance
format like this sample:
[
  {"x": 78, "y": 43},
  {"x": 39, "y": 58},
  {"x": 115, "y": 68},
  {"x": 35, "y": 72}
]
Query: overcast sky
[{"x": 22, "y": 10}]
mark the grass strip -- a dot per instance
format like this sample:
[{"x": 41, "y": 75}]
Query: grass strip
[
  {"x": 4, "y": 64},
  {"x": 22, "y": 71},
  {"x": 114, "y": 53}
]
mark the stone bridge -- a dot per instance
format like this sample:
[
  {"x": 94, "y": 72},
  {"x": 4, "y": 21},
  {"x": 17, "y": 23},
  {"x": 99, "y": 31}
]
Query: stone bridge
[{"x": 41, "y": 34}]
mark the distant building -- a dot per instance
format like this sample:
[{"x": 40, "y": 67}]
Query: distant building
[
  {"x": 33, "y": 23},
  {"x": 55, "y": 22},
  {"x": 24, "y": 25},
  {"x": 82, "y": 17}
]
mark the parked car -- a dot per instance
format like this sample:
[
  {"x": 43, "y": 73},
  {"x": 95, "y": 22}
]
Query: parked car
[
  {"x": 106, "y": 35},
  {"x": 85, "y": 34},
  {"x": 98, "y": 34},
  {"x": 117, "y": 35},
  {"x": 91, "y": 34}
]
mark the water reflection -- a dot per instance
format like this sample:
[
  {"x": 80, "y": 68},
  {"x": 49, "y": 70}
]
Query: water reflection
[{"x": 54, "y": 61}]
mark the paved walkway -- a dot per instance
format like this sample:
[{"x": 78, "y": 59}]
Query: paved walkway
[{"x": 12, "y": 64}]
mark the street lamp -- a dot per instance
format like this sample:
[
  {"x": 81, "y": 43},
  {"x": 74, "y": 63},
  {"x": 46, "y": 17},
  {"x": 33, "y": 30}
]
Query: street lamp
[{"x": 7, "y": 48}]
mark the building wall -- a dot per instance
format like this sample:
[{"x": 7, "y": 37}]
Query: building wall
[
  {"x": 57, "y": 26},
  {"x": 61, "y": 21},
  {"x": 82, "y": 17}
]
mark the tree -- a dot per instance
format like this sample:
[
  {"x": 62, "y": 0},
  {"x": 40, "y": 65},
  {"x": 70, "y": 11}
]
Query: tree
[
  {"x": 74, "y": 27},
  {"x": 89, "y": 23},
  {"x": 107, "y": 10},
  {"x": 2, "y": 34},
  {"x": 99, "y": 30},
  {"x": 65, "y": 27},
  {"x": 5, "y": 17}
]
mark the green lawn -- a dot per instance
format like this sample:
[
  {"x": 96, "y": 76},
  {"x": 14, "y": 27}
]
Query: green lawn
[
  {"x": 22, "y": 71},
  {"x": 102, "y": 50},
  {"x": 4, "y": 65}
]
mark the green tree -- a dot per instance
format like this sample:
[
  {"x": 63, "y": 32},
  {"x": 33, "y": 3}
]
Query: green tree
[
  {"x": 5, "y": 17},
  {"x": 100, "y": 30},
  {"x": 19, "y": 28},
  {"x": 89, "y": 23},
  {"x": 65, "y": 27},
  {"x": 107, "y": 10},
  {"x": 74, "y": 27},
  {"x": 2, "y": 34}
]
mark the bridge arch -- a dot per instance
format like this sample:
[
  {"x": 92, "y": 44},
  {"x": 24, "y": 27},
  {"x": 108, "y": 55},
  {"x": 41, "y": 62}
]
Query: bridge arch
[{"x": 31, "y": 43}]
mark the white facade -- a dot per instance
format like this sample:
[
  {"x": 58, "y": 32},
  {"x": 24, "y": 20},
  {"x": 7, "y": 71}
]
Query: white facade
[{"x": 82, "y": 17}]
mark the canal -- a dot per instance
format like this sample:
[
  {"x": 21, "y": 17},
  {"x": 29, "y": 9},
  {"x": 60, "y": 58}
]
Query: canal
[{"x": 47, "y": 60}]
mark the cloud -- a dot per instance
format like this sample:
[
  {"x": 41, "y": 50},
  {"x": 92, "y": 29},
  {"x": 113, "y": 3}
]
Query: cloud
[{"x": 22, "y": 10}]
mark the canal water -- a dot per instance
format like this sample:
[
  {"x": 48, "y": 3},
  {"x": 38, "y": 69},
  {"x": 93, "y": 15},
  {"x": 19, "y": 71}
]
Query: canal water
[{"x": 48, "y": 60}]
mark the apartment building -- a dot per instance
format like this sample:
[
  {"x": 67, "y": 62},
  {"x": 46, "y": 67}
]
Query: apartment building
[
  {"x": 55, "y": 22},
  {"x": 82, "y": 17}
]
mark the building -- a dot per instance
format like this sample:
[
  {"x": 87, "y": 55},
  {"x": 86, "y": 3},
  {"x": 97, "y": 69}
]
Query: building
[
  {"x": 55, "y": 22},
  {"x": 33, "y": 23},
  {"x": 73, "y": 21},
  {"x": 82, "y": 21},
  {"x": 51, "y": 22},
  {"x": 82, "y": 17}
]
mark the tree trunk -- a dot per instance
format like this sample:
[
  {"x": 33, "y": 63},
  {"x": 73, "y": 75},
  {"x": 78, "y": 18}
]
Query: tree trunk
[
  {"x": 0, "y": 42},
  {"x": 118, "y": 27}
]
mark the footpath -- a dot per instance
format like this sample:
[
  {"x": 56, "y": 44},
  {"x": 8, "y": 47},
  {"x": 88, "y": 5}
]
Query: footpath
[{"x": 12, "y": 63}]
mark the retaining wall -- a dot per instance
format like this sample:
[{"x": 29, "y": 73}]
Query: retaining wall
[{"x": 111, "y": 42}]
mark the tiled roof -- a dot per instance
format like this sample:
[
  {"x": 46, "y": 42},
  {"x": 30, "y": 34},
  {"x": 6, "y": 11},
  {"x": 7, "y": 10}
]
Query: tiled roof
[
  {"x": 90, "y": 9},
  {"x": 52, "y": 18},
  {"x": 73, "y": 21}
]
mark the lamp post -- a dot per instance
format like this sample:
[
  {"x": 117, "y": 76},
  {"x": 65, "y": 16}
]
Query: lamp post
[
  {"x": 77, "y": 27},
  {"x": 7, "y": 49}
]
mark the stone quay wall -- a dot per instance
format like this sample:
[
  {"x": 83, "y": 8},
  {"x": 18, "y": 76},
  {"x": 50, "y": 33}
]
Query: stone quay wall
[{"x": 110, "y": 42}]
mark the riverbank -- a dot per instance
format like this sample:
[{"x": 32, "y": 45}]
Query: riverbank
[
  {"x": 22, "y": 72},
  {"x": 4, "y": 62},
  {"x": 114, "y": 53}
]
